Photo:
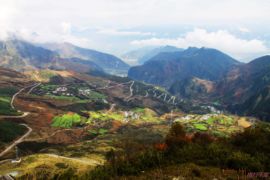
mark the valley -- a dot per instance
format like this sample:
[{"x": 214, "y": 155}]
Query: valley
[{"x": 58, "y": 123}]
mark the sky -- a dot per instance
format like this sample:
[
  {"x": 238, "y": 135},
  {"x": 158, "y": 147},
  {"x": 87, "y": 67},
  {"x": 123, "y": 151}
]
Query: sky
[{"x": 240, "y": 28}]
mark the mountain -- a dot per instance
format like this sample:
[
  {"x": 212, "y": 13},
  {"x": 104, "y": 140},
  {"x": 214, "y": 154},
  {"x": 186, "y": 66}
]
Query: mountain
[
  {"x": 246, "y": 89},
  {"x": 109, "y": 63},
  {"x": 133, "y": 57},
  {"x": 167, "y": 68},
  {"x": 193, "y": 88},
  {"x": 149, "y": 55},
  {"x": 140, "y": 56},
  {"x": 22, "y": 56}
]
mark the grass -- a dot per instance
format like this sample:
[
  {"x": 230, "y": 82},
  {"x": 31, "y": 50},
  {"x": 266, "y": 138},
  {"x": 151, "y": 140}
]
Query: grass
[
  {"x": 100, "y": 131},
  {"x": 43, "y": 166},
  {"x": 98, "y": 115},
  {"x": 200, "y": 127},
  {"x": 66, "y": 120}
]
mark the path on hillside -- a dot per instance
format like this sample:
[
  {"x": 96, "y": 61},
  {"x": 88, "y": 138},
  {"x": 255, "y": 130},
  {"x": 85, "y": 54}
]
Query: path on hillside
[
  {"x": 35, "y": 86},
  {"x": 17, "y": 117},
  {"x": 111, "y": 108},
  {"x": 18, "y": 141},
  {"x": 130, "y": 90}
]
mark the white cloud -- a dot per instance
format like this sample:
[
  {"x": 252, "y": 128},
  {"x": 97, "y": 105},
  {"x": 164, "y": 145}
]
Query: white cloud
[
  {"x": 243, "y": 29},
  {"x": 55, "y": 20},
  {"x": 222, "y": 40},
  {"x": 66, "y": 27},
  {"x": 114, "y": 32}
]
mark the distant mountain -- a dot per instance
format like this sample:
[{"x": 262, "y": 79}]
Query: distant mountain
[
  {"x": 140, "y": 56},
  {"x": 23, "y": 56},
  {"x": 133, "y": 57},
  {"x": 246, "y": 88},
  {"x": 109, "y": 63},
  {"x": 167, "y": 68},
  {"x": 149, "y": 55}
]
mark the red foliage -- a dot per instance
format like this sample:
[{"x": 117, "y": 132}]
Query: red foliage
[{"x": 161, "y": 146}]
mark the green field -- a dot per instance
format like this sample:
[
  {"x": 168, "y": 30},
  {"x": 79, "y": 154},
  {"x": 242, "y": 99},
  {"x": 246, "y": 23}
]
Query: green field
[
  {"x": 136, "y": 115},
  {"x": 67, "y": 120},
  {"x": 218, "y": 125}
]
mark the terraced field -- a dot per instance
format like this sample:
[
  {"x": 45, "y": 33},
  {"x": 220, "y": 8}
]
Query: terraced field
[{"x": 216, "y": 124}]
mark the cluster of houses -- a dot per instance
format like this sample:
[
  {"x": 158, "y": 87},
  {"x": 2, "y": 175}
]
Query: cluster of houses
[
  {"x": 84, "y": 92},
  {"x": 62, "y": 91},
  {"x": 130, "y": 115}
]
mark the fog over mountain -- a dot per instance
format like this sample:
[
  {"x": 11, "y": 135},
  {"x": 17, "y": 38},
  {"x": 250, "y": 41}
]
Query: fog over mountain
[{"x": 118, "y": 27}]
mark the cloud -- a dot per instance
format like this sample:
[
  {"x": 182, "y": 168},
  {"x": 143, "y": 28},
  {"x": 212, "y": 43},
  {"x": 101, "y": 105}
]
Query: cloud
[
  {"x": 114, "y": 32},
  {"x": 243, "y": 29},
  {"x": 222, "y": 40},
  {"x": 55, "y": 20},
  {"x": 66, "y": 27}
]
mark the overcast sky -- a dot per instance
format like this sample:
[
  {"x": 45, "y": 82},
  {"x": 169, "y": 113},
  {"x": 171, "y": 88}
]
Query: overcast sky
[{"x": 240, "y": 28}]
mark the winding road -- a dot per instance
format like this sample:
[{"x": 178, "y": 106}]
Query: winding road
[
  {"x": 131, "y": 91},
  {"x": 21, "y": 139},
  {"x": 18, "y": 141}
]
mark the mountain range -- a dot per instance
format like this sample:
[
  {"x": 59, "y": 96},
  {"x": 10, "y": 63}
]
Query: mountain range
[
  {"x": 209, "y": 76},
  {"x": 109, "y": 63},
  {"x": 166, "y": 68},
  {"x": 22, "y": 56}
]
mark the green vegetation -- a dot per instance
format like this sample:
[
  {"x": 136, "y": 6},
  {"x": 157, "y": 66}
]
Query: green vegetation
[
  {"x": 200, "y": 127},
  {"x": 103, "y": 116},
  {"x": 198, "y": 153},
  {"x": 10, "y": 131},
  {"x": 46, "y": 74},
  {"x": 67, "y": 120},
  {"x": 136, "y": 115},
  {"x": 67, "y": 98},
  {"x": 219, "y": 125},
  {"x": 5, "y": 98},
  {"x": 77, "y": 93},
  {"x": 100, "y": 131}
]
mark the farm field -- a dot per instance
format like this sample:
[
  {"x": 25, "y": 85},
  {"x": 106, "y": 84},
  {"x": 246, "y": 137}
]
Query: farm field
[{"x": 216, "y": 124}]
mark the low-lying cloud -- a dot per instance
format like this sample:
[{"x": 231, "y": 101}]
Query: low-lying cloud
[
  {"x": 242, "y": 49},
  {"x": 115, "y": 32}
]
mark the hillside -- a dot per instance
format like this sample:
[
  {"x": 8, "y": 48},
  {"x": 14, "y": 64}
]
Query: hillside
[
  {"x": 24, "y": 56},
  {"x": 167, "y": 68},
  {"x": 108, "y": 62},
  {"x": 246, "y": 88},
  {"x": 21, "y": 55}
]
